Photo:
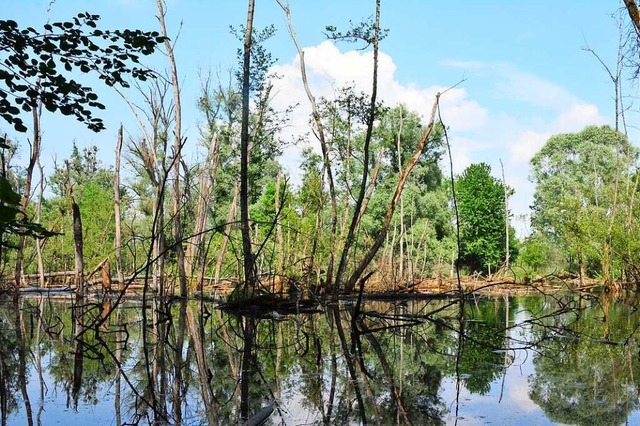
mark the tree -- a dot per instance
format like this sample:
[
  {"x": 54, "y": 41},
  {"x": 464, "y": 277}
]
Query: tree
[
  {"x": 575, "y": 177},
  {"x": 482, "y": 217},
  {"x": 31, "y": 79}
]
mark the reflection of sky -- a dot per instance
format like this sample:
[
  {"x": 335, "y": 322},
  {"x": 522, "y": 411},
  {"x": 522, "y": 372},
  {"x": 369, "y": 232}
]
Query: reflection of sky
[{"x": 515, "y": 407}]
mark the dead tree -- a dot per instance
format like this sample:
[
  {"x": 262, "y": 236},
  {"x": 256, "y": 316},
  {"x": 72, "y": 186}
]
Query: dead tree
[
  {"x": 116, "y": 196},
  {"x": 247, "y": 255},
  {"x": 178, "y": 142},
  {"x": 36, "y": 112}
]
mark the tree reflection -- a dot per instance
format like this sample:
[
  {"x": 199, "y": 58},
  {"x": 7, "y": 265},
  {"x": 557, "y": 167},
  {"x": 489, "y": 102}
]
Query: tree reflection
[
  {"x": 173, "y": 362},
  {"x": 583, "y": 379}
]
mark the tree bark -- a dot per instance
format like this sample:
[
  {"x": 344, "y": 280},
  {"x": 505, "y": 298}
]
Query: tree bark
[
  {"x": 40, "y": 243},
  {"x": 116, "y": 196},
  {"x": 634, "y": 14},
  {"x": 78, "y": 244},
  {"x": 247, "y": 255},
  {"x": 24, "y": 204},
  {"x": 177, "y": 152}
]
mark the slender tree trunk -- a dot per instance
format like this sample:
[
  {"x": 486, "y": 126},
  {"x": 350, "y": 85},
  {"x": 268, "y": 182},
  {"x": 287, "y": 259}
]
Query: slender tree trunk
[
  {"x": 634, "y": 14},
  {"x": 227, "y": 234},
  {"x": 78, "y": 244},
  {"x": 158, "y": 243},
  {"x": 506, "y": 218},
  {"x": 177, "y": 148},
  {"x": 116, "y": 196},
  {"x": 24, "y": 204},
  {"x": 40, "y": 243},
  {"x": 401, "y": 238},
  {"x": 247, "y": 255},
  {"x": 365, "y": 168},
  {"x": 207, "y": 183},
  {"x": 279, "y": 237}
]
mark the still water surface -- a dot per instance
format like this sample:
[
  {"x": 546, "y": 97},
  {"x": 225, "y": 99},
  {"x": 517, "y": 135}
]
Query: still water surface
[{"x": 519, "y": 360}]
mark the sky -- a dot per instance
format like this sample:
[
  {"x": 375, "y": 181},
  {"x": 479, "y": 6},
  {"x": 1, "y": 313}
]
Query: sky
[{"x": 521, "y": 66}]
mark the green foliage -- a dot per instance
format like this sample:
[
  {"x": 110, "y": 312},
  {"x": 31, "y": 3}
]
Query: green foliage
[
  {"x": 32, "y": 60},
  {"x": 92, "y": 189},
  {"x": 538, "y": 253},
  {"x": 14, "y": 221},
  {"x": 575, "y": 176},
  {"x": 482, "y": 213}
]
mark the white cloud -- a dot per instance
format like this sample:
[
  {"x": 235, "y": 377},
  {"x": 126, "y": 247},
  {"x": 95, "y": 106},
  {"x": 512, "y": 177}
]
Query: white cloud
[
  {"x": 329, "y": 69},
  {"x": 527, "y": 145},
  {"x": 533, "y": 90},
  {"x": 511, "y": 131},
  {"x": 573, "y": 119},
  {"x": 577, "y": 117}
]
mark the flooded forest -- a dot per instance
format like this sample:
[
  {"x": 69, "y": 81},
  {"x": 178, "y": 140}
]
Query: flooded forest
[{"x": 199, "y": 278}]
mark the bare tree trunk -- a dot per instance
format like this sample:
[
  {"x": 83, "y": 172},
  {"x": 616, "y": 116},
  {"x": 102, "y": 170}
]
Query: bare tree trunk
[
  {"x": 506, "y": 218},
  {"x": 320, "y": 134},
  {"x": 78, "y": 243},
  {"x": 365, "y": 168},
  {"x": 116, "y": 196},
  {"x": 227, "y": 234},
  {"x": 158, "y": 243},
  {"x": 33, "y": 158},
  {"x": 619, "y": 113},
  {"x": 247, "y": 255},
  {"x": 177, "y": 148},
  {"x": 634, "y": 14},
  {"x": 196, "y": 251},
  {"x": 40, "y": 243},
  {"x": 401, "y": 238},
  {"x": 279, "y": 237}
]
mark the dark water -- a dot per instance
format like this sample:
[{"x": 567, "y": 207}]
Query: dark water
[{"x": 522, "y": 360}]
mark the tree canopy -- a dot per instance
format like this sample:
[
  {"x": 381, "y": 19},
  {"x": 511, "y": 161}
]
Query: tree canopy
[{"x": 481, "y": 206}]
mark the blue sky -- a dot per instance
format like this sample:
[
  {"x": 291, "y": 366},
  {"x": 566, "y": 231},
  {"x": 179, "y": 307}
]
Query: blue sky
[{"x": 527, "y": 75}]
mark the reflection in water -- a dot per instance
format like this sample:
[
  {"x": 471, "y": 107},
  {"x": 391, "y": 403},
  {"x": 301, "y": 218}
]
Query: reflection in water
[{"x": 561, "y": 359}]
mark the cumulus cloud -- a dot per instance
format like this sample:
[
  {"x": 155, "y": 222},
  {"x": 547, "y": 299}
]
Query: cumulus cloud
[
  {"x": 577, "y": 117},
  {"x": 571, "y": 120},
  {"x": 526, "y": 145},
  {"x": 329, "y": 69},
  {"x": 525, "y": 109}
]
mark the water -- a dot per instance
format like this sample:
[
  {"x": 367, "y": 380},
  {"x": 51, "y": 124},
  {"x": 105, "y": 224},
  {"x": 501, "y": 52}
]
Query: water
[{"x": 522, "y": 360}]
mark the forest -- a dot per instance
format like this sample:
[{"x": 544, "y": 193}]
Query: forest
[
  {"x": 375, "y": 207},
  {"x": 203, "y": 281}
]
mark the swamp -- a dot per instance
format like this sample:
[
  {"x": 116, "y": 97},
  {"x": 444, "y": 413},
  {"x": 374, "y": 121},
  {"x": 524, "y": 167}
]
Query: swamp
[
  {"x": 530, "y": 359},
  {"x": 248, "y": 213}
]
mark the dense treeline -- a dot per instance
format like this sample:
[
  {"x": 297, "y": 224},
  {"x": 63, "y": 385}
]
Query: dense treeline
[{"x": 374, "y": 202}]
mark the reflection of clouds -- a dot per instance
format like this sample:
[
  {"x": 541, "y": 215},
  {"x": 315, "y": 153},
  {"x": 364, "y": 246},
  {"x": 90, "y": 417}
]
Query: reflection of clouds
[{"x": 519, "y": 393}]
